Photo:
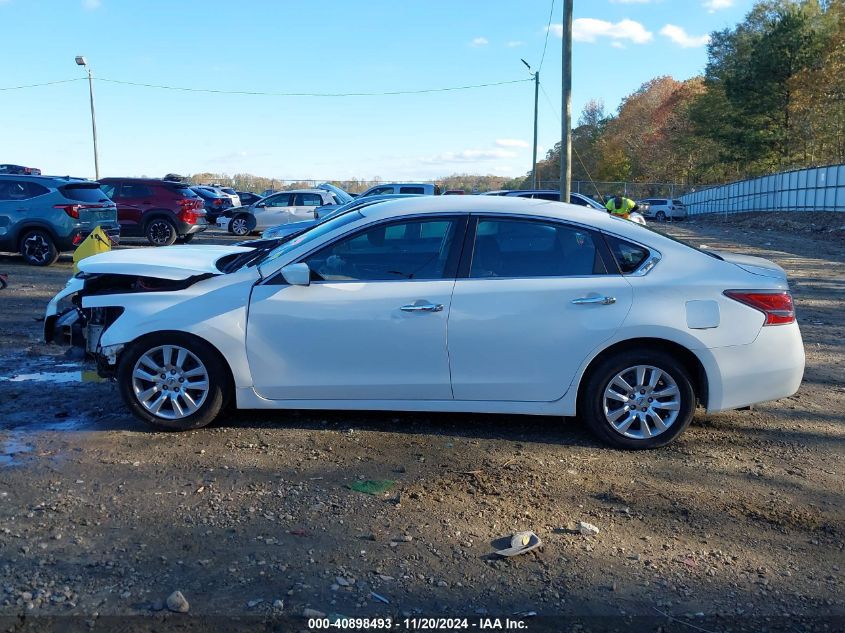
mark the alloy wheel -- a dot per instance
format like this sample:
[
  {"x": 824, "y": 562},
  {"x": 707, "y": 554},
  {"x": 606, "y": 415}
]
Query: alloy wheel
[
  {"x": 36, "y": 248},
  {"x": 239, "y": 226},
  {"x": 170, "y": 382},
  {"x": 641, "y": 402},
  {"x": 160, "y": 232}
]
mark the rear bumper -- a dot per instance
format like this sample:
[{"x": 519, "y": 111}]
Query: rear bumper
[
  {"x": 184, "y": 228},
  {"x": 75, "y": 238},
  {"x": 768, "y": 369}
]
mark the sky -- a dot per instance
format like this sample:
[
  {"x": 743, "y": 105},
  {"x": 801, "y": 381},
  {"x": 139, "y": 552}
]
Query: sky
[{"x": 324, "y": 46}]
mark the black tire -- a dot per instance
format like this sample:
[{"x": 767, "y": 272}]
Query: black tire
[
  {"x": 215, "y": 399},
  {"x": 592, "y": 401},
  {"x": 38, "y": 248},
  {"x": 660, "y": 216},
  {"x": 239, "y": 225},
  {"x": 160, "y": 232}
]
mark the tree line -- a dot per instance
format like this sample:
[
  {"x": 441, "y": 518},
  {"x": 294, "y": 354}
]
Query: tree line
[{"x": 772, "y": 98}]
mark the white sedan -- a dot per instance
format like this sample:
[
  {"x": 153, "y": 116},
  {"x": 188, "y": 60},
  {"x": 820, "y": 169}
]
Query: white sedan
[{"x": 479, "y": 304}]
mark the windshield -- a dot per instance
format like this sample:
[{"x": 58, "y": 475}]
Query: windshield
[{"x": 310, "y": 235}]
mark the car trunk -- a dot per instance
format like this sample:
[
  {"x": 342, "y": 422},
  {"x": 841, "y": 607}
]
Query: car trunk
[{"x": 94, "y": 205}]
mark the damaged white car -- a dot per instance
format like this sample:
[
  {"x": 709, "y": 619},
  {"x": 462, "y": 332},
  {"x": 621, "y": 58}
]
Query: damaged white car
[{"x": 464, "y": 303}]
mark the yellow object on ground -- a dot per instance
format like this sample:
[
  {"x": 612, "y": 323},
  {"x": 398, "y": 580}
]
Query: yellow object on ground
[{"x": 96, "y": 242}]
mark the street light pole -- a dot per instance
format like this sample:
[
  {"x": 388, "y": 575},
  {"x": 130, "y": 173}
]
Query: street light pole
[
  {"x": 536, "y": 98},
  {"x": 81, "y": 61},
  {"x": 566, "y": 106}
]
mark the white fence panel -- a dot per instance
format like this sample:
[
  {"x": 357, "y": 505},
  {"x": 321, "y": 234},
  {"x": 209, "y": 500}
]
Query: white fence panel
[{"x": 815, "y": 189}]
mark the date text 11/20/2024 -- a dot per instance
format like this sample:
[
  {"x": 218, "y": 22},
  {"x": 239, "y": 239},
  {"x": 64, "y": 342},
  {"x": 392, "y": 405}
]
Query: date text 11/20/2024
[{"x": 418, "y": 624}]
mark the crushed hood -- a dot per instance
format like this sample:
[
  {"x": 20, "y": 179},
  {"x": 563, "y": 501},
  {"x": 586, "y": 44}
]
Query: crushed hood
[
  {"x": 754, "y": 265},
  {"x": 169, "y": 262}
]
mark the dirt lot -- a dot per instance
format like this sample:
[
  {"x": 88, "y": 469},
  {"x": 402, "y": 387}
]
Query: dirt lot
[{"x": 742, "y": 518}]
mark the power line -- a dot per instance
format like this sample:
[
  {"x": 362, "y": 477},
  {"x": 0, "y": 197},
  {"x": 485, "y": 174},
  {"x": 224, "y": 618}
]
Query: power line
[
  {"x": 311, "y": 94},
  {"x": 48, "y": 83},
  {"x": 546, "y": 43}
]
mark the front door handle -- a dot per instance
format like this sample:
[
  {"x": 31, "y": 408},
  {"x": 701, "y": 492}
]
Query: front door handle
[
  {"x": 605, "y": 301},
  {"x": 422, "y": 307}
]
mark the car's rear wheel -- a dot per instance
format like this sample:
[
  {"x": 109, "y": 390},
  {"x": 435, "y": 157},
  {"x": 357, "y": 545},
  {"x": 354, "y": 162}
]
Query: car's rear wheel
[
  {"x": 38, "y": 248},
  {"x": 173, "y": 381},
  {"x": 661, "y": 216},
  {"x": 239, "y": 225},
  {"x": 161, "y": 232},
  {"x": 638, "y": 399}
]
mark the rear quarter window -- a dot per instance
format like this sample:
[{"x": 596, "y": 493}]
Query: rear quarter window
[{"x": 629, "y": 256}]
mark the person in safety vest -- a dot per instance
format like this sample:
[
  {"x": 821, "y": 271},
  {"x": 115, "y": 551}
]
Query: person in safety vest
[{"x": 621, "y": 206}]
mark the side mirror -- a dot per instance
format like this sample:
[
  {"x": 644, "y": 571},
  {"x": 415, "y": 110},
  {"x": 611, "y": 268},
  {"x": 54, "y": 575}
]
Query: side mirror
[
  {"x": 297, "y": 274},
  {"x": 260, "y": 205}
]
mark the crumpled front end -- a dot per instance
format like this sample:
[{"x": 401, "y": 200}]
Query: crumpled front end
[{"x": 67, "y": 321}]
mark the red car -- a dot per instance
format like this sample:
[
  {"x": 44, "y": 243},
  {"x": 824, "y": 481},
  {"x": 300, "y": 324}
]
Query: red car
[{"x": 163, "y": 211}]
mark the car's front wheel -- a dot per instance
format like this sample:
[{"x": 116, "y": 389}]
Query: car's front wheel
[
  {"x": 38, "y": 248},
  {"x": 161, "y": 232},
  {"x": 660, "y": 216},
  {"x": 239, "y": 225},
  {"x": 173, "y": 381},
  {"x": 638, "y": 399}
]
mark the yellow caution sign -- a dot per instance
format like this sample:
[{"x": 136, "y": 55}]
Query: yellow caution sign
[{"x": 96, "y": 242}]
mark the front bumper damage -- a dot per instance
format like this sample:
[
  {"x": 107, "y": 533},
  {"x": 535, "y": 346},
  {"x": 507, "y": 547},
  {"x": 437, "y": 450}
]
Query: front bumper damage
[{"x": 67, "y": 321}]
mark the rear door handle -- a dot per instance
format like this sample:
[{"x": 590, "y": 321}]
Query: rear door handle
[
  {"x": 605, "y": 301},
  {"x": 422, "y": 307}
]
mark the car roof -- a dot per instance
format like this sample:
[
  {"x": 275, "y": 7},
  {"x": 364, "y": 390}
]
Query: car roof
[
  {"x": 322, "y": 191},
  {"x": 501, "y": 205},
  {"x": 154, "y": 181},
  {"x": 36, "y": 178}
]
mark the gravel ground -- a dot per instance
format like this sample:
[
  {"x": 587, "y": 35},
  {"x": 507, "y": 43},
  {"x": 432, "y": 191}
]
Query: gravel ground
[{"x": 741, "y": 518}]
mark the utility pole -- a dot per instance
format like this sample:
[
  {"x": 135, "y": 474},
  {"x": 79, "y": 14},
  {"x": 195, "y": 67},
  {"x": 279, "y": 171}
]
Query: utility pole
[
  {"x": 566, "y": 105},
  {"x": 81, "y": 61},
  {"x": 536, "y": 98}
]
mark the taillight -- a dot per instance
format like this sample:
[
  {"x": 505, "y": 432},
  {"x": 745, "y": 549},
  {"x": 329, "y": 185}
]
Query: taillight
[
  {"x": 776, "y": 305},
  {"x": 71, "y": 209},
  {"x": 218, "y": 202}
]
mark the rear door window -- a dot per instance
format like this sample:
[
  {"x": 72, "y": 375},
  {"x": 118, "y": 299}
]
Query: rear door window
[
  {"x": 20, "y": 190},
  {"x": 308, "y": 200},
  {"x": 507, "y": 248},
  {"x": 134, "y": 191},
  {"x": 417, "y": 190}
]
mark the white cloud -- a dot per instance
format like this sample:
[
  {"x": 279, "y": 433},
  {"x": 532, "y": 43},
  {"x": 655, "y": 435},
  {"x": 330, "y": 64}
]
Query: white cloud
[
  {"x": 682, "y": 38},
  {"x": 617, "y": 45},
  {"x": 480, "y": 41},
  {"x": 714, "y": 5},
  {"x": 591, "y": 30},
  {"x": 511, "y": 142},
  {"x": 468, "y": 156},
  {"x": 514, "y": 44},
  {"x": 90, "y": 5}
]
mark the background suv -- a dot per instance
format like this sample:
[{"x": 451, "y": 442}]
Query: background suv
[
  {"x": 417, "y": 188},
  {"x": 160, "y": 210},
  {"x": 41, "y": 216},
  {"x": 662, "y": 209}
]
